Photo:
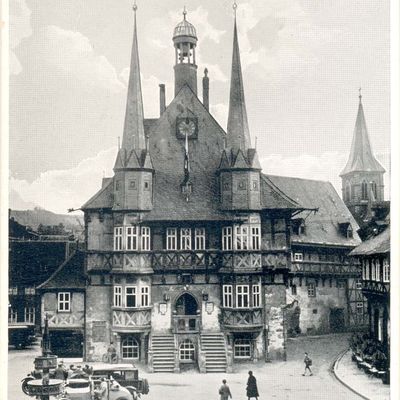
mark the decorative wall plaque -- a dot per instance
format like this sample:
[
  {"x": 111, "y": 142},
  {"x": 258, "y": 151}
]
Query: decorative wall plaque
[{"x": 209, "y": 307}]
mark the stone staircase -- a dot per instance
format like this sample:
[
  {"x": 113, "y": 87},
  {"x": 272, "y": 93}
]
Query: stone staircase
[
  {"x": 163, "y": 353},
  {"x": 213, "y": 347}
]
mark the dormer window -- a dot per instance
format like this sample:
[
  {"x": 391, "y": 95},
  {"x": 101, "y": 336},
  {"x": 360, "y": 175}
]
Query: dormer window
[
  {"x": 298, "y": 226},
  {"x": 346, "y": 229}
]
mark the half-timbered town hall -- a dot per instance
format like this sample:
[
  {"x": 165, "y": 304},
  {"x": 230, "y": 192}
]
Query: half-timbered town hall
[{"x": 188, "y": 256}]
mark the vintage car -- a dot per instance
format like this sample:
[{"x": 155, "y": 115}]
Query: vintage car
[
  {"x": 126, "y": 375},
  {"x": 86, "y": 389},
  {"x": 21, "y": 334}
]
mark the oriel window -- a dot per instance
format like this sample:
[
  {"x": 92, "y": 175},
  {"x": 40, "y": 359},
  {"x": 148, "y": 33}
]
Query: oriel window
[
  {"x": 227, "y": 296},
  {"x": 199, "y": 239},
  {"x": 145, "y": 233},
  {"x": 118, "y": 238},
  {"x": 145, "y": 296},
  {"x": 256, "y": 295},
  {"x": 117, "y": 296},
  {"x": 132, "y": 238},
  {"x": 227, "y": 238},
  {"x": 130, "y": 296},
  {"x": 242, "y": 296}
]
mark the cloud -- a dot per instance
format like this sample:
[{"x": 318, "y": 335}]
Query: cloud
[
  {"x": 200, "y": 19},
  {"x": 325, "y": 167},
  {"x": 20, "y": 28},
  {"x": 70, "y": 53},
  {"x": 58, "y": 190},
  {"x": 220, "y": 113}
]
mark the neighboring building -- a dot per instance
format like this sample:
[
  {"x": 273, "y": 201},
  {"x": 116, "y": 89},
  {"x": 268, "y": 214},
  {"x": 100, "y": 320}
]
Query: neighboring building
[
  {"x": 32, "y": 259},
  {"x": 63, "y": 302},
  {"x": 189, "y": 244},
  {"x": 362, "y": 177},
  {"x": 374, "y": 255},
  {"x": 324, "y": 283}
]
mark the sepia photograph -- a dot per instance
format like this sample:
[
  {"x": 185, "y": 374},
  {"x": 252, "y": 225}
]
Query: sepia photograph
[{"x": 199, "y": 200}]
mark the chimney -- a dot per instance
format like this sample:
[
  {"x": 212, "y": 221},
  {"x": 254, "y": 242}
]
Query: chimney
[
  {"x": 162, "y": 98},
  {"x": 206, "y": 85}
]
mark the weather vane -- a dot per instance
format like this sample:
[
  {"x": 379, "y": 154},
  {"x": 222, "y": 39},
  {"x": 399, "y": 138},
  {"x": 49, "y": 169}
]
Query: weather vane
[
  {"x": 184, "y": 12},
  {"x": 234, "y": 6},
  {"x": 134, "y": 6}
]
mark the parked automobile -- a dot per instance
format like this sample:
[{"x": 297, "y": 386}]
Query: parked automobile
[
  {"x": 21, "y": 334},
  {"x": 126, "y": 375},
  {"x": 85, "y": 389}
]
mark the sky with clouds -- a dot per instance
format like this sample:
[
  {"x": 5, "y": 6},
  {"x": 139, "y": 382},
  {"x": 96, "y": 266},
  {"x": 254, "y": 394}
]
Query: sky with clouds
[{"x": 303, "y": 62}]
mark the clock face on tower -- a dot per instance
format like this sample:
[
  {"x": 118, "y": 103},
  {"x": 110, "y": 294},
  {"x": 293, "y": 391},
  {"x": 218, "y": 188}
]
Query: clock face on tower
[{"x": 186, "y": 127}]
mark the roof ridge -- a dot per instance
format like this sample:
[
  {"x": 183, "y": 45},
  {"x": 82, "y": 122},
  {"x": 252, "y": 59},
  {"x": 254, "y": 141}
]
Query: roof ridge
[{"x": 278, "y": 190}]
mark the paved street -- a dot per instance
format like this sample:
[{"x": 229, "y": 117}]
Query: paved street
[{"x": 278, "y": 380}]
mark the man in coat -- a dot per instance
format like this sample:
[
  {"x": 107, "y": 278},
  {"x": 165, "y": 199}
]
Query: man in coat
[
  {"x": 251, "y": 389},
  {"x": 224, "y": 391}
]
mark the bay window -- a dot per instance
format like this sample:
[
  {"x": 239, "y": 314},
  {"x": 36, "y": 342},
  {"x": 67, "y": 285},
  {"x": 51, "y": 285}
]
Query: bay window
[
  {"x": 172, "y": 239},
  {"x": 199, "y": 239},
  {"x": 145, "y": 234},
  {"x": 117, "y": 296},
  {"x": 241, "y": 237},
  {"x": 227, "y": 296},
  {"x": 118, "y": 238},
  {"x": 242, "y": 296},
  {"x": 130, "y": 296},
  {"x": 186, "y": 239},
  {"x": 242, "y": 233},
  {"x": 131, "y": 238}
]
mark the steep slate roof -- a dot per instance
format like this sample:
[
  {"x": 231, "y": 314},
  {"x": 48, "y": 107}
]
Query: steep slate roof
[
  {"x": 379, "y": 244},
  {"x": 321, "y": 227},
  {"x": 69, "y": 275},
  {"x": 103, "y": 198},
  {"x": 238, "y": 134},
  {"x": 361, "y": 157}
]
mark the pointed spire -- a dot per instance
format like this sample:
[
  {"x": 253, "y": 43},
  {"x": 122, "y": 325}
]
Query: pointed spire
[
  {"x": 361, "y": 157},
  {"x": 133, "y": 137},
  {"x": 238, "y": 127}
]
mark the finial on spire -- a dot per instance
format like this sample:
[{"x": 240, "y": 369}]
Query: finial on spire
[
  {"x": 359, "y": 93},
  {"x": 234, "y": 6},
  {"x": 134, "y": 6},
  {"x": 184, "y": 12}
]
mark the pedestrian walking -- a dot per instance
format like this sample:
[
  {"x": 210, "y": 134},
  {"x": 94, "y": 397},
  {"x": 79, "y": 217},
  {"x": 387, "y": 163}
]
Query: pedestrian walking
[
  {"x": 307, "y": 364},
  {"x": 251, "y": 388},
  {"x": 59, "y": 372},
  {"x": 224, "y": 391}
]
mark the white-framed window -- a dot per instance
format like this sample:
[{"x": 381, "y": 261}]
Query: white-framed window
[
  {"x": 186, "y": 350},
  {"x": 117, "y": 296},
  {"x": 227, "y": 238},
  {"x": 29, "y": 290},
  {"x": 386, "y": 271},
  {"x": 13, "y": 290},
  {"x": 12, "y": 315},
  {"x": 146, "y": 241},
  {"x": 256, "y": 295},
  {"x": 145, "y": 296},
  {"x": 186, "y": 239},
  {"x": 29, "y": 315},
  {"x": 242, "y": 348},
  {"x": 200, "y": 239},
  {"x": 242, "y": 237},
  {"x": 242, "y": 296},
  {"x": 118, "y": 235},
  {"x": 64, "y": 301},
  {"x": 131, "y": 238},
  {"x": 255, "y": 237},
  {"x": 227, "y": 296},
  {"x": 360, "y": 308},
  {"x": 130, "y": 297},
  {"x": 298, "y": 257},
  {"x": 311, "y": 290},
  {"x": 373, "y": 270},
  {"x": 367, "y": 271},
  {"x": 172, "y": 239},
  {"x": 378, "y": 270},
  {"x": 130, "y": 348}
]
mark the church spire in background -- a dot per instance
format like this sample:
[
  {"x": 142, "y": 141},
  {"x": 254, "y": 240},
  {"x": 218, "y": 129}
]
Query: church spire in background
[
  {"x": 238, "y": 134},
  {"x": 133, "y": 136},
  {"x": 361, "y": 158}
]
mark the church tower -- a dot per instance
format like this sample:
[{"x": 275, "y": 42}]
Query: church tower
[
  {"x": 362, "y": 177},
  {"x": 239, "y": 169},
  {"x": 185, "y": 41},
  {"x": 133, "y": 180}
]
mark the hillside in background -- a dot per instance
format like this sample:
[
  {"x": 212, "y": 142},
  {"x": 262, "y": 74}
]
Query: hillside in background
[{"x": 33, "y": 218}]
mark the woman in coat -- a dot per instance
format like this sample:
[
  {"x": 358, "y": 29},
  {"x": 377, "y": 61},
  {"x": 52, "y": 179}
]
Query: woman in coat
[{"x": 251, "y": 389}]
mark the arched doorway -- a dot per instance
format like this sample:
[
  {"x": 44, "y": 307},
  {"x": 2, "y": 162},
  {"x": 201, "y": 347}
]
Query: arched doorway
[{"x": 186, "y": 314}]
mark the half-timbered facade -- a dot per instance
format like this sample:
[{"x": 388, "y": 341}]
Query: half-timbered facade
[{"x": 188, "y": 246}]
